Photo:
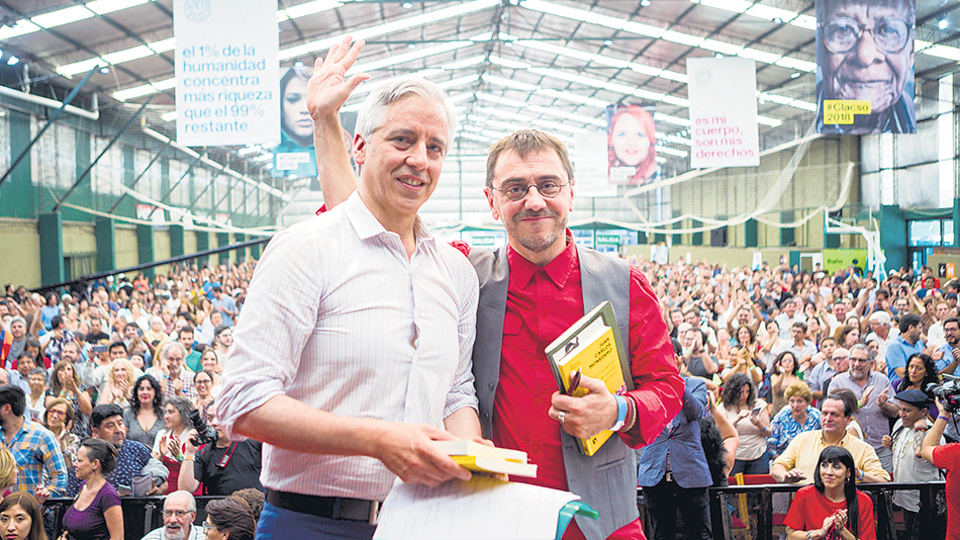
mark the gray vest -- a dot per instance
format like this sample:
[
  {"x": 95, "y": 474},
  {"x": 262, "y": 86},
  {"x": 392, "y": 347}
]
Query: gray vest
[{"x": 607, "y": 481}]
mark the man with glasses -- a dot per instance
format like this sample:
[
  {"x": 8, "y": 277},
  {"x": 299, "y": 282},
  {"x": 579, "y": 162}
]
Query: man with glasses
[
  {"x": 820, "y": 376},
  {"x": 179, "y": 511},
  {"x": 865, "y": 52},
  {"x": 531, "y": 291},
  {"x": 876, "y": 399}
]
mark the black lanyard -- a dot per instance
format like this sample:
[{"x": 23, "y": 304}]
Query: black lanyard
[{"x": 227, "y": 455}]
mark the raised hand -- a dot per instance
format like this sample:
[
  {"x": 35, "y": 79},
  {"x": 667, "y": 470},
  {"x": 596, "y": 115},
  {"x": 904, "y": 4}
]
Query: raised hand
[{"x": 329, "y": 88}]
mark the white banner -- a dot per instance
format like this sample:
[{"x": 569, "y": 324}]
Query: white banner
[
  {"x": 590, "y": 166},
  {"x": 227, "y": 72},
  {"x": 723, "y": 112}
]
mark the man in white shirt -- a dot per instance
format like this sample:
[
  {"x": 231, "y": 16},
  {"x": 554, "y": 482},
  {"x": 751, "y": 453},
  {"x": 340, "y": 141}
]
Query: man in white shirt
[
  {"x": 179, "y": 511},
  {"x": 354, "y": 352}
]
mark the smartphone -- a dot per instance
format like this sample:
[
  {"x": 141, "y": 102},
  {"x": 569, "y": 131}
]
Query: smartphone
[{"x": 99, "y": 349}]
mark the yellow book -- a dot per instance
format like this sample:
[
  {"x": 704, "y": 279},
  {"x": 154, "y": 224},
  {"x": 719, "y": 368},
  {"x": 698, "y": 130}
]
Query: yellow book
[
  {"x": 463, "y": 447},
  {"x": 592, "y": 345},
  {"x": 494, "y": 465}
]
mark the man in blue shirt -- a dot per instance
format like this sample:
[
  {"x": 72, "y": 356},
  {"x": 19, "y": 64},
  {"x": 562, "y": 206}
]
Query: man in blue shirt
[
  {"x": 951, "y": 349},
  {"x": 35, "y": 449},
  {"x": 907, "y": 344},
  {"x": 225, "y": 305}
]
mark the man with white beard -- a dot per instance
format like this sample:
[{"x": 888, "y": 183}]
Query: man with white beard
[{"x": 179, "y": 511}]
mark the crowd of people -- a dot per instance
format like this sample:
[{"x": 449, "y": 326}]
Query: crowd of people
[
  {"x": 808, "y": 376},
  {"x": 111, "y": 392}
]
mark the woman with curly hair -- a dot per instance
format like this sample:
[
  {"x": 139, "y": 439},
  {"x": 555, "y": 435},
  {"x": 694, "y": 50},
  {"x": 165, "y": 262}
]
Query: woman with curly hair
[
  {"x": 784, "y": 374},
  {"x": 229, "y": 519},
  {"x": 749, "y": 416},
  {"x": 921, "y": 371},
  {"x": 118, "y": 386},
  {"x": 144, "y": 417}
]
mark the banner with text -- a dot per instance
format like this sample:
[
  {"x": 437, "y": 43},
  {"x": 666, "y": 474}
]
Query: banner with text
[
  {"x": 227, "y": 72},
  {"x": 723, "y": 112},
  {"x": 865, "y": 67}
]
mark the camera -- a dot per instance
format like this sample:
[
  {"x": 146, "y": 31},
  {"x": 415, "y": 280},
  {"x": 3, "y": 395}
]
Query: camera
[
  {"x": 948, "y": 392},
  {"x": 205, "y": 433}
]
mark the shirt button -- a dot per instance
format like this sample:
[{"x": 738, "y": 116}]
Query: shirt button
[{"x": 491, "y": 385}]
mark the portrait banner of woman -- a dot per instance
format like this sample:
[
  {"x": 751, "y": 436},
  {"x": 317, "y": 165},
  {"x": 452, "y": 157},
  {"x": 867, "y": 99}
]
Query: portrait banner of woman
[
  {"x": 295, "y": 154},
  {"x": 631, "y": 145}
]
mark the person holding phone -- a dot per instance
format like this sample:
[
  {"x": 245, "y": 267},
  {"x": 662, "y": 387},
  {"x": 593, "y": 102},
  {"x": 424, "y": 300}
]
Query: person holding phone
[{"x": 749, "y": 415}]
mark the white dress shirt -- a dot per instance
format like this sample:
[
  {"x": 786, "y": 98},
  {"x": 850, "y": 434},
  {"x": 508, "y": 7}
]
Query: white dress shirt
[{"x": 339, "y": 318}]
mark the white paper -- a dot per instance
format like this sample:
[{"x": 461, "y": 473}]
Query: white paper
[
  {"x": 723, "y": 112},
  {"x": 484, "y": 508},
  {"x": 227, "y": 72},
  {"x": 591, "y": 166}
]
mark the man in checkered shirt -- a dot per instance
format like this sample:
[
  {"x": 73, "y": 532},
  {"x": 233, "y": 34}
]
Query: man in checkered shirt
[{"x": 35, "y": 449}]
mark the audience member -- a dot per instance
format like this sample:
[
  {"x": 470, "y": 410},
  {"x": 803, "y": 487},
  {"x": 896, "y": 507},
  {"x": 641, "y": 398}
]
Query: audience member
[
  {"x": 905, "y": 444},
  {"x": 144, "y": 418},
  {"x": 797, "y": 463},
  {"x": 118, "y": 386},
  {"x": 36, "y": 398},
  {"x": 65, "y": 383},
  {"x": 230, "y": 519},
  {"x": 783, "y": 375},
  {"x": 136, "y": 472},
  {"x": 176, "y": 381},
  {"x": 832, "y": 507},
  {"x": 749, "y": 416},
  {"x": 874, "y": 394},
  {"x": 951, "y": 349},
  {"x": 8, "y": 469},
  {"x": 904, "y": 346},
  {"x": 58, "y": 419},
  {"x": 179, "y": 511},
  {"x": 40, "y": 467},
  {"x": 171, "y": 441},
  {"x": 921, "y": 372},
  {"x": 791, "y": 421},
  {"x": 254, "y": 499},
  {"x": 21, "y": 517},
  {"x": 673, "y": 469},
  {"x": 96, "y": 513}
]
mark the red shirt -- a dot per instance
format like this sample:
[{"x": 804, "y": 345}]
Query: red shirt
[
  {"x": 541, "y": 304},
  {"x": 810, "y": 507},
  {"x": 948, "y": 457}
]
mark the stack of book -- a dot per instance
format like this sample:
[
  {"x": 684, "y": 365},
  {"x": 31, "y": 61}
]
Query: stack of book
[{"x": 488, "y": 459}]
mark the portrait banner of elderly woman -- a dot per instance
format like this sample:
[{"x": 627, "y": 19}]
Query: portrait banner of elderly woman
[
  {"x": 631, "y": 145},
  {"x": 865, "y": 66}
]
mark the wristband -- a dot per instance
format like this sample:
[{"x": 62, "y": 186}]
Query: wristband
[
  {"x": 187, "y": 458},
  {"x": 863, "y": 473},
  {"x": 944, "y": 418},
  {"x": 621, "y": 412}
]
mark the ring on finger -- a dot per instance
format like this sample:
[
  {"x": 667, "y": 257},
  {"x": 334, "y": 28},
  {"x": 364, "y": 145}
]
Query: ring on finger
[{"x": 561, "y": 415}]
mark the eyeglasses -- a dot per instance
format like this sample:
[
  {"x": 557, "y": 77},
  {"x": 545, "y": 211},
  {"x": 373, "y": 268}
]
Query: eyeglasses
[
  {"x": 516, "y": 191},
  {"x": 177, "y": 513},
  {"x": 205, "y": 527},
  {"x": 842, "y": 34},
  {"x": 859, "y": 360},
  {"x": 52, "y": 412}
]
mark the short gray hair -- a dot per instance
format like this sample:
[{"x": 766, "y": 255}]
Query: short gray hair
[
  {"x": 165, "y": 351},
  {"x": 871, "y": 356},
  {"x": 191, "y": 502},
  {"x": 371, "y": 115}
]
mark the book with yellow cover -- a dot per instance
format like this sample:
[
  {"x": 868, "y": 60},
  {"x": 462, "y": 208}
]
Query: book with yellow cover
[
  {"x": 494, "y": 465},
  {"x": 462, "y": 447},
  {"x": 593, "y": 346}
]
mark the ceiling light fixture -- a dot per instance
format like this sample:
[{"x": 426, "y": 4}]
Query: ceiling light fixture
[
  {"x": 942, "y": 23},
  {"x": 12, "y": 61}
]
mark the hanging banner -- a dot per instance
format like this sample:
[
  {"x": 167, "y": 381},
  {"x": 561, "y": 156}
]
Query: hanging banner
[
  {"x": 591, "y": 166},
  {"x": 865, "y": 67},
  {"x": 631, "y": 145},
  {"x": 227, "y": 72},
  {"x": 723, "y": 112}
]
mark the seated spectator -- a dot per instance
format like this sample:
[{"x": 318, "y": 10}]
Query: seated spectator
[
  {"x": 133, "y": 459},
  {"x": 749, "y": 416},
  {"x": 230, "y": 518},
  {"x": 203, "y": 382},
  {"x": 144, "y": 417},
  {"x": 783, "y": 375},
  {"x": 223, "y": 466},
  {"x": 101, "y": 517},
  {"x": 21, "y": 518},
  {"x": 853, "y": 428},
  {"x": 211, "y": 362},
  {"x": 119, "y": 384},
  {"x": 36, "y": 398},
  {"x": 908, "y": 464},
  {"x": 798, "y": 462},
  {"x": 254, "y": 499},
  {"x": 40, "y": 466},
  {"x": 743, "y": 362},
  {"x": 58, "y": 418},
  {"x": 171, "y": 441},
  {"x": 791, "y": 421},
  {"x": 223, "y": 339},
  {"x": 179, "y": 511},
  {"x": 25, "y": 364},
  {"x": 65, "y": 383},
  {"x": 832, "y": 507},
  {"x": 8, "y": 469}
]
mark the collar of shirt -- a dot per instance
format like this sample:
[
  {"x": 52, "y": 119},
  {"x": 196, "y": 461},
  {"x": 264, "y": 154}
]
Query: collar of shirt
[
  {"x": 558, "y": 270},
  {"x": 843, "y": 441},
  {"x": 367, "y": 225},
  {"x": 16, "y": 436}
]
